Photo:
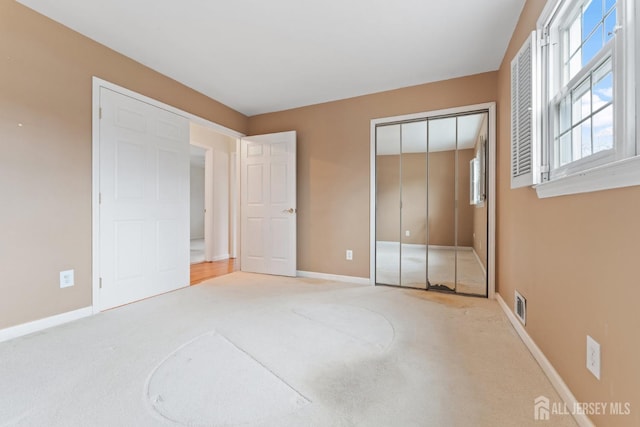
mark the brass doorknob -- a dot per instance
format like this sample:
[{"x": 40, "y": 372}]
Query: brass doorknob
[{"x": 290, "y": 210}]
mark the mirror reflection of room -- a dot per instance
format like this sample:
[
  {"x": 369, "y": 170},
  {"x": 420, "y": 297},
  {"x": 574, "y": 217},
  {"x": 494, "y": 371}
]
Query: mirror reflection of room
[{"x": 431, "y": 215}]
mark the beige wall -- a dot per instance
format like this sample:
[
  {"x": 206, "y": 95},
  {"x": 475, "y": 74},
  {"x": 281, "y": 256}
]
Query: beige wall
[
  {"x": 441, "y": 193},
  {"x": 442, "y": 165},
  {"x": 388, "y": 198},
  {"x": 333, "y": 164},
  {"x": 575, "y": 259},
  {"x": 414, "y": 198},
  {"x": 45, "y": 165}
]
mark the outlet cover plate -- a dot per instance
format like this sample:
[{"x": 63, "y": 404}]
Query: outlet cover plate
[
  {"x": 66, "y": 278},
  {"x": 593, "y": 356},
  {"x": 349, "y": 255}
]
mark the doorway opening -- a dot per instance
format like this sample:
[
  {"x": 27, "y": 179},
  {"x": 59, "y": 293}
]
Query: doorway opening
[
  {"x": 432, "y": 200},
  {"x": 213, "y": 206},
  {"x": 196, "y": 204}
]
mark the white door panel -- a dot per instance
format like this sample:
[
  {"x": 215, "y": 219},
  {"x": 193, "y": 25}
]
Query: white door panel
[
  {"x": 144, "y": 209},
  {"x": 268, "y": 204}
]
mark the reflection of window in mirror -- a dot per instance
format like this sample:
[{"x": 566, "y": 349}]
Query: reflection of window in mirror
[
  {"x": 477, "y": 176},
  {"x": 474, "y": 175}
]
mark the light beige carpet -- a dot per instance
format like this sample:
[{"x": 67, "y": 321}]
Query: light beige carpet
[
  {"x": 257, "y": 350},
  {"x": 409, "y": 268}
]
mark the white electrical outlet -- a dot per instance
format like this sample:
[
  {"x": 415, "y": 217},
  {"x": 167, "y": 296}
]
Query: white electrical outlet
[
  {"x": 349, "y": 255},
  {"x": 407, "y": 233},
  {"x": 66, "y": 278},
  {"x": 593, "y": 356}
]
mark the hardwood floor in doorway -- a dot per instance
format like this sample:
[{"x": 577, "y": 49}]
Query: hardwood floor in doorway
[{"x": 208, "y": 270}]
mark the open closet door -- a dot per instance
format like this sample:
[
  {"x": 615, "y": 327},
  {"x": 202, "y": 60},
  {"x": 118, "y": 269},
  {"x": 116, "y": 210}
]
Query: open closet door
[{"x": 268, "y": 204}]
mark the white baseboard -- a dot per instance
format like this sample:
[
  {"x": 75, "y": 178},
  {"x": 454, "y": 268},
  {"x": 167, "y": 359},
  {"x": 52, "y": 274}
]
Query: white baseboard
[
  {"x": 334, "y": 277},
  {"x": 220, "y": 257},
  {"x": 41, "y": 324},
  {"x": 442, "y": 248},
  {"x": 555, "y": 378}
]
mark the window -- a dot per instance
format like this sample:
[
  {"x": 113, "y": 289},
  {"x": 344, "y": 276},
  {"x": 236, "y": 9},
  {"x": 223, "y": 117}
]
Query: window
[
  {"x": 586, "y": 97},
  {"x": 581, "y": 38}
]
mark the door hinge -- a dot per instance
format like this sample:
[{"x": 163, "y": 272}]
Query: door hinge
[
  {"x": 100, "y": 282},
  {"x": 100, "y": 113},
  {"x": 99, "y": 198}
]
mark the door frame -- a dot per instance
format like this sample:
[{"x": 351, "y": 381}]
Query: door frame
[
  {"x": 491, "y": 108},
  {"x": 97, "y": 84}
]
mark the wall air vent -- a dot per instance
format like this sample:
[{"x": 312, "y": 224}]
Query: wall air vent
[{"x": 520, "y": 308}]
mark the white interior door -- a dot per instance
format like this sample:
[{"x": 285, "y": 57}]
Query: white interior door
[
  {"x": 268, "y": 204},
  {"x": 144, "y": 207}
]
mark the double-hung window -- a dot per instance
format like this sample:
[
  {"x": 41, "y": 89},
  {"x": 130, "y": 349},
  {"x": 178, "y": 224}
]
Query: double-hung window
[
  {"x": 586, "y": 96},
  {"x": 581, "y": 86}
]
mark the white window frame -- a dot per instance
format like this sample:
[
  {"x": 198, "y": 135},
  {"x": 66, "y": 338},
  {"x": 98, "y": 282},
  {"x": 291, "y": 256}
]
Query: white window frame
[{"x": 619, "y": 167}]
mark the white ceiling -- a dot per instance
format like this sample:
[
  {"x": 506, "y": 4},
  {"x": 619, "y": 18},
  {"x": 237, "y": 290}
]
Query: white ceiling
[
  {"x": 261, "y": 56},
  {"x": 442, "y": 135}
]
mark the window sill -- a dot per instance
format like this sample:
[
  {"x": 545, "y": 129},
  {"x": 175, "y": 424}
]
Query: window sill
[{"x": 621, "y": 173}]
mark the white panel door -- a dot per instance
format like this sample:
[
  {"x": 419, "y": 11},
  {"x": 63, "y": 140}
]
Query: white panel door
[
  {"x": 268, "y": 204},
  {"x": 144, "y": 207}
]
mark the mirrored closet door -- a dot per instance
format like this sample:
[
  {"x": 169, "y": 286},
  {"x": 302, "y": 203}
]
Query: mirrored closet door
[
  {"x": 431, "y": 216},
  {"x": 413, "y": 222},
  {"x": 388, "y": 190}
]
